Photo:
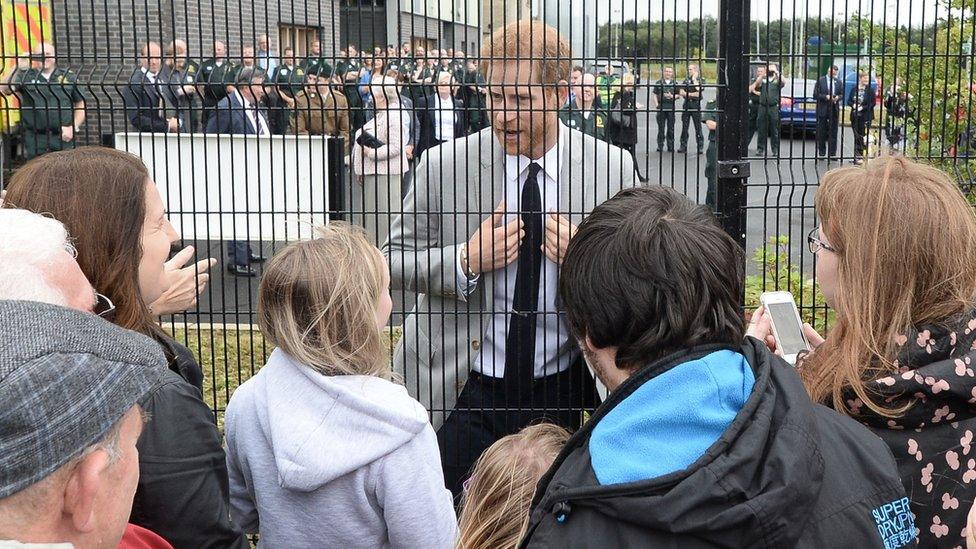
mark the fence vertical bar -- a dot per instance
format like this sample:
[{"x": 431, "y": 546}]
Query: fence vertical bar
[{"x": 733, "y": 76}]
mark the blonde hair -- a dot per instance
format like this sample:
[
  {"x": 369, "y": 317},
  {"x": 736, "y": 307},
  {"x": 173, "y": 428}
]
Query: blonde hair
[
  {"x": 495, "y": 507},
  {"x": 317, "y": 303},
  {"x": 905, "y": 236},
  {"x": 627, "y": 80},
  {"x": 530, "y": 40}
]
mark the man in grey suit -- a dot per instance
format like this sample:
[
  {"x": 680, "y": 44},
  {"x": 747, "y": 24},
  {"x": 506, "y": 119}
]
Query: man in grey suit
[{"x": 481, "y": 237}]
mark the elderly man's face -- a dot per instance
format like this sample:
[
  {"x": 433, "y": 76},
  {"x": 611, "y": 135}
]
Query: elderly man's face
[
  {"x": 316, "y": 47},
  {"x": 255, "y": 89},
  {"x": 668, "y": 73},
  {"x": 263, "y": 42},
  {"x": 113, "y": 501},
  {"x": 153, "y": 58},
  {"x": 220, "y": 50},
  {"x": 247, "y": 56}
]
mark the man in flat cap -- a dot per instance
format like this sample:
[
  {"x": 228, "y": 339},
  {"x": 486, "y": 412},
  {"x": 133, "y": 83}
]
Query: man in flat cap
[{"x": 70, "y": 388}]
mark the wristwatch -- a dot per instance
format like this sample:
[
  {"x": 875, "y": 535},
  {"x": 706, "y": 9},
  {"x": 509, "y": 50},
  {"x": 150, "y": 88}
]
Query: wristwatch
[{"x": 465, "y": 266}]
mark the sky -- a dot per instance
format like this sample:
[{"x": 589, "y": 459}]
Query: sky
[{"x": 902, "y": 12}]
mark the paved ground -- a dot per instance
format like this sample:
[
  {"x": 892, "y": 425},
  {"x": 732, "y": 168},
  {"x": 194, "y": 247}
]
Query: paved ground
[{"x": 780, "y": 202}]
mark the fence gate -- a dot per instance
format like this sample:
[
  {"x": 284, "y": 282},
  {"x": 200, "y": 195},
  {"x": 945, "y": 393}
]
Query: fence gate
[{"x": 383, "y": 113}]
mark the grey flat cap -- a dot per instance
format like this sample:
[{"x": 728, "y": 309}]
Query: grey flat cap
[{"x": 66, "y": 378}]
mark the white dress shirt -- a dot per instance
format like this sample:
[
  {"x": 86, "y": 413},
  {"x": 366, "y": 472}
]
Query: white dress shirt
[
  {"x": 150, "y": 75},
  {"x": 551, "y": 330},
  {"x": 255, "y": 117},
  {"x": 443, "y": 119}
]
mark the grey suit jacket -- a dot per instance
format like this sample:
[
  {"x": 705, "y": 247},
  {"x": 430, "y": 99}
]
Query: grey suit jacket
[{"x": 456, "y": 185}]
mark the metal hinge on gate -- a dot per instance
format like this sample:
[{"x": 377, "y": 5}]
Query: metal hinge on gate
[{"x": 733, "y": 168}]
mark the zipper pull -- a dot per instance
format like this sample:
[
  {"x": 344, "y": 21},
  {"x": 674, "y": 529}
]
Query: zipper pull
[{"x": 561, "y": 511}]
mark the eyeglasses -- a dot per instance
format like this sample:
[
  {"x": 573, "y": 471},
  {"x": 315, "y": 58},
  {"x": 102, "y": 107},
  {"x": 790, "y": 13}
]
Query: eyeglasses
[
  {"x": 104, "y": 307},
  {"x": 815, "y": 244}
]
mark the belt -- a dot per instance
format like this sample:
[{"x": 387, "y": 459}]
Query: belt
[{"x": 48, "y": 131}]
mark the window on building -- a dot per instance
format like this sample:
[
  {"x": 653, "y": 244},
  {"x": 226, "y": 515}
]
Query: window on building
[{"x": 298, "y": 37}]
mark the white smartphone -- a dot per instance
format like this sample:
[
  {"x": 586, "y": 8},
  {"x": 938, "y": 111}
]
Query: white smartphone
[{"x": 787, "y": 327}]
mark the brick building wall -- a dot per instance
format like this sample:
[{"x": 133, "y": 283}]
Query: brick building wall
[{"x": 100, "y": 39}]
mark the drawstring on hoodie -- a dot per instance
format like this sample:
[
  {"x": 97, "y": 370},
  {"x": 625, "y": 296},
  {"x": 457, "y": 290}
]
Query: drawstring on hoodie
[{"x": 561, "y": 511}]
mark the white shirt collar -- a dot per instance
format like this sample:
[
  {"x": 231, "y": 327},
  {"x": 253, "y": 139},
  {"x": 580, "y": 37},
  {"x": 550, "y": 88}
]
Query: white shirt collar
[
  {"x": 244, "y": 102},
  {"x": 515, "y": 165},
  {"x": 151, "y": 75}
]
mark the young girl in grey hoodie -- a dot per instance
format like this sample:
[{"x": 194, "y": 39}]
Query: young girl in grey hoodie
[{"x": 323, "y": 449}]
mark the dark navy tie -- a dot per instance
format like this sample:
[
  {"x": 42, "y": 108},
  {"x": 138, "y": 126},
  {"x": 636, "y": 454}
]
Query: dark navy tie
[{"x": 520, "y": 343}]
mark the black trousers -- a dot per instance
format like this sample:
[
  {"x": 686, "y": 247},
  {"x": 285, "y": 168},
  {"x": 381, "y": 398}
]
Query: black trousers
[
  {"x": 486, "y": 412},
  {"x": 665, "y": 127},
  {"x": 693, "y": 114},
  {"x": 827, "y": 133},
  {"x": 861, "y": 127}
]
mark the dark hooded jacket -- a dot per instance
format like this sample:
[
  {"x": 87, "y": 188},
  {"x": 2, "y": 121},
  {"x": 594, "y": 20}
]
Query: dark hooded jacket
[
  {"x": 933, "y": 441},
  {"x": 785, "y": 473}
]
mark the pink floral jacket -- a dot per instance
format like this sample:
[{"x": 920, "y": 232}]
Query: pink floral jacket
[{"x": 933, "y": 442}]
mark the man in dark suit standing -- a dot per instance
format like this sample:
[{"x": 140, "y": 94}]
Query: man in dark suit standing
[
  {"x": 148, "y": 106},
  {"x": 238, "y": 113},
  {"x": 861, "y": 102},
  {"x": 440, "y": 115},
  {"x": 828, "y": 91}
]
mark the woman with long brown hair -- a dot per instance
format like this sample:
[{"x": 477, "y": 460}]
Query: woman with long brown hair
[
  {"x": 112, "y": 210},
  {"x": 496, "y": 500},
  {"x": 896, "y": 259}
]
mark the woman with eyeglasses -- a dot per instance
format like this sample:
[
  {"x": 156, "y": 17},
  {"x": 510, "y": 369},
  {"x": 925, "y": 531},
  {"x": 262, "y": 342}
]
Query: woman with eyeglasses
[
  {"x": 896, "y": 259},
  {"x": 117, "y": 221}
]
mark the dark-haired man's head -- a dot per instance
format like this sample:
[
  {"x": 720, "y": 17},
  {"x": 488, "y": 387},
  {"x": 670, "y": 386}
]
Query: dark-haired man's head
[{"x": 650, "y": 273}]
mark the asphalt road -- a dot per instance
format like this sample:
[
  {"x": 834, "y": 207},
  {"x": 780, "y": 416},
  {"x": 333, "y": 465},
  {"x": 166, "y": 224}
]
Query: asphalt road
[{"x": 779, "y": 202}]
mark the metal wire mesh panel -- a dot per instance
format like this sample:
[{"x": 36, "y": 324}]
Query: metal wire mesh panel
[{"x": 420, "y": 121}]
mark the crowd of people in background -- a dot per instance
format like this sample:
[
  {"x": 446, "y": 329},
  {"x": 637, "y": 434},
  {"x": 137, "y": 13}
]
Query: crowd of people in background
[{"x": 602, "y": 387}]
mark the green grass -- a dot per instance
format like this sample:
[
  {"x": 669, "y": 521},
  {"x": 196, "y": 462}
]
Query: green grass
[{"x": 230, "y": 357}]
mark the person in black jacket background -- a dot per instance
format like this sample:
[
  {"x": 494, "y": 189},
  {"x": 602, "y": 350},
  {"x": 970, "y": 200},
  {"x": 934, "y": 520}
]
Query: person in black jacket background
[
  {"x": 828, "y": 92},
  {"x": 742, "y": 460},
  {"x": 149, "y": 106},
  {"x": 183, "y": 486},
  {"x": 861, "y": 102},
  {"x": 622, "y": 120},
  {"x": 431, "y": 111}
]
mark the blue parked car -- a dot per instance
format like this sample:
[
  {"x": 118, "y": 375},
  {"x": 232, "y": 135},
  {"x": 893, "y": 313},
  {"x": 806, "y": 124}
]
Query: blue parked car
[{"x": 798, "y": 106}]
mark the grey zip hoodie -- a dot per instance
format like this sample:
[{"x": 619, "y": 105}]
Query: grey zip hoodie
[{"x": 334, "y": 461}]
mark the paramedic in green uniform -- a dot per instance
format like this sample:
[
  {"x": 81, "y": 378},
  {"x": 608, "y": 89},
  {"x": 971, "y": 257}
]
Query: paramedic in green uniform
[
  {"x": 314, "y": 62},
  {"x": 52, "y": 109},
  {"x": 710, "y": 119},
  {"x": 754, "y": 105},
  {"x": 768, "y": 119},
  {"x": 585, "y": 113},
  {"x": 289, "y": 81}
]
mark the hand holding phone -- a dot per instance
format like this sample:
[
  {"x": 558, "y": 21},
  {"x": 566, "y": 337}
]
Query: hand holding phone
[{"x": 786, "y": 325}]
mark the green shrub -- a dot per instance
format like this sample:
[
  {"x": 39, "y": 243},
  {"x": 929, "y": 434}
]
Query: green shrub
[{"x": 777, "y": 273}]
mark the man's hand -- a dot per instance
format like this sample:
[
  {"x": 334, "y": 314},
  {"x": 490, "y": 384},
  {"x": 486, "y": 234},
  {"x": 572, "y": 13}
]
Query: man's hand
[
  {"x": 183, "y": 284},
  {"x": 174, "y": 124},
  {"x": 559, "y": 231},
  {"x": 67, "y": 133},
  {"x": 494, "y": 246},
  {"x": 408, "y": 150}
]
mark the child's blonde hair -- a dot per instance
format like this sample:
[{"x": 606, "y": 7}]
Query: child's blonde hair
[
  {"x": 495, "y": 507},
  {"x": 317, "y": 303}
]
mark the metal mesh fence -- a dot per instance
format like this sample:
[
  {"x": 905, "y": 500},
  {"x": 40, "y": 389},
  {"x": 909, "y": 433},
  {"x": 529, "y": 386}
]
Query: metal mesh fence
[{"x": 412, "y": 120}]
